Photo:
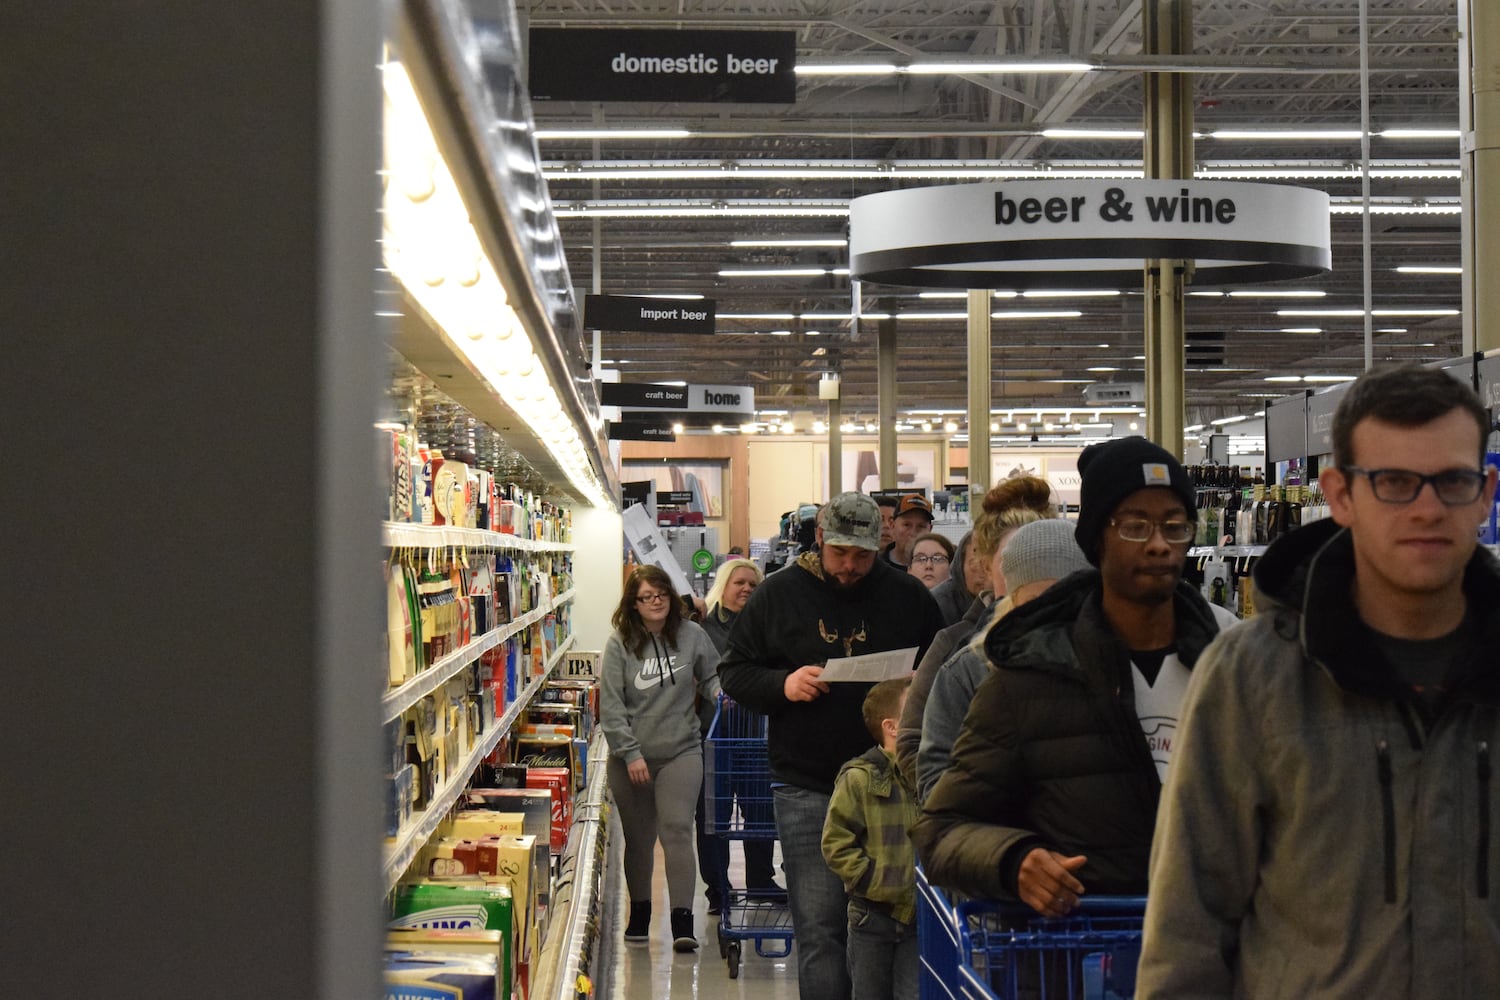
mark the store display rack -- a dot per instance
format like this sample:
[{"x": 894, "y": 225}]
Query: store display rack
[
  {"x": 574, "y": 930},
  {"x": 403, "y": 849},
  {"x": 429, "y": 536},
  {"x": 399, "y": 699}
]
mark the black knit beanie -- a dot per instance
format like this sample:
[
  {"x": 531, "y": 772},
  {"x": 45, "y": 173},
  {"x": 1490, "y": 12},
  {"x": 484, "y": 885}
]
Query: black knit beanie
[{"x": 1111, "y": 471}]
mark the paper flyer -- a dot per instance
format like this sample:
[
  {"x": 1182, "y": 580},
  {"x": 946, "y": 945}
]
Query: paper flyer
[{"x": 871, "y": 667}]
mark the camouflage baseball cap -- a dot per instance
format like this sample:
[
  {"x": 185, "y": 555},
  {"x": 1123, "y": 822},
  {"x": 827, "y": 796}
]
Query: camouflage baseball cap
[{"x": 852, "y": 519}]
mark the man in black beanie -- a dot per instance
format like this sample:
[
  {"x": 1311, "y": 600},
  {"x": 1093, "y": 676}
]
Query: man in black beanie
[{"x": 1055, "y": 775}]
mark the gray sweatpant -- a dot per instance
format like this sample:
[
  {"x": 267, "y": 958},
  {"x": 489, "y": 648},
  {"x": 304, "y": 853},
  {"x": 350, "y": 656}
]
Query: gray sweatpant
[{"x": 663, "y": 807}]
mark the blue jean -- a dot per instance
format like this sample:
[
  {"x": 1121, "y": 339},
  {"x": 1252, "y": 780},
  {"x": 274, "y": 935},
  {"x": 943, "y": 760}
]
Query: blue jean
[
  {"x": 882, "y": 954},
  {"x": 815, "y": 894}
]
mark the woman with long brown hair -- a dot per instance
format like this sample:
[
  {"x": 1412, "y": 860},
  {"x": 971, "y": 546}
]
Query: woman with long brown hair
[{"x": 659, "y": 671}]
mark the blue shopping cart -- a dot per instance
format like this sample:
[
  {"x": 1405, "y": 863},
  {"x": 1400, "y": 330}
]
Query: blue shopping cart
[
  {"x": 738, "y": 806},
  {"x": 1006, "y": 951},
  {"x": 937, "y": 943}
]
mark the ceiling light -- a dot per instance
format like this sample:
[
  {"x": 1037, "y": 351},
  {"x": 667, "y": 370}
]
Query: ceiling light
[
  {"x": 950, "y": 427},
  {"x": 1194, "y": 427},
  {"x": 612, "y": 133},
  {"x": 691, "y": 296},
  {"x": 845, "y": 69},
  {"x": 812, "y": 333},
  {"x": 1361, "y": 312},
  {"x": 718, "y": 428},
  {"x": 1302, "y": 329},
  {"x": 1427, "y": 269},
  {"x": 749, "y": 428},
  {"x": 1253, "y": 293},
  {"x": 1037, "y": 314},
  {"x": 1222, "y": 421},
  {"x": 847, "y": 427},
  {"x": 1283, "y": 378},
  {"x": 1419, "y": 133},
  {"x": 769, "y": 272},
  {"x": 994, "y": 427},
  {"x": 701, "y": 209},
  {"x": 1092, "y": 133},
  {"x": 1075, "y": 293},
  {"x": 819, "y": 352},
  {"x": 783, "y": 316},
  {"x": 1134, "y": 426},
  {"x": 819, "y": 427},
  {"x": 789, "y": 243},
  {"x": 1263, "y": 134},
  {"x": 781, "y": 333},
  {"x": 998, "y": 67},
  {"x": 1021, "y": 426},
  {"x": 1102, "y": 368},
  {"x": 787, "y": 428},
  {"x": 927, "y": 425},
  {"x": 672, "y": 383},
  {"x": 1328, "y": 378},
  {"x": 676, "y": 428},
  {"x": 870, "y": 428}
]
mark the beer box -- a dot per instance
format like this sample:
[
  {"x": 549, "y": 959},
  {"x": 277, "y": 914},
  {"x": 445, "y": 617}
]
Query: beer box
[
  {"x": 511, "y": 860},
  {"x": 501, "y": 775},
  {"x": 559, "y": 781},
  {"x": 424, "y": 975},
  {"x": 536, "y": 804},
  {"x": 450, "y": 857},
  {"x": 545, "y": 729},
  {"x": 459, "y": 905},
  {"x": 473, "y": 824},
  {"x": 545, "y": 751}
]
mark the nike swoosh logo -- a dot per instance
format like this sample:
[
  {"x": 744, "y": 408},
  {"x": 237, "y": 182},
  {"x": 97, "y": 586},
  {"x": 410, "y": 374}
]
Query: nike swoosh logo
[{"x": 645, "y": 681}]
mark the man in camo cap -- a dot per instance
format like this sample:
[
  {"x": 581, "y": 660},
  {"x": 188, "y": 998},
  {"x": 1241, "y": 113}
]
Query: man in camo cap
[{"x": 835, "y": 601}]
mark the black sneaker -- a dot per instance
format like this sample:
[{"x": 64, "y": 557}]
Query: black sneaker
[
  {"x": 639, "y": 927},
  {"x": 715, "y": 903},
  {"x": 682, "y": 930}
]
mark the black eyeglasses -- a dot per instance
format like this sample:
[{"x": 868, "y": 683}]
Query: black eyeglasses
[
  {"x": 1140, "y": 529},
  {"x": 1455, "y": 487},
  {"x": 936, "y": 559},
  {"x": 650, "y": 598}
]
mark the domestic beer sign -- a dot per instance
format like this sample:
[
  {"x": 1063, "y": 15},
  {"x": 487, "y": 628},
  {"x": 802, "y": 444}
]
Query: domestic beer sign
[
  {"x": 706, "y": 67},
  {"x": 648, "y": 314}
]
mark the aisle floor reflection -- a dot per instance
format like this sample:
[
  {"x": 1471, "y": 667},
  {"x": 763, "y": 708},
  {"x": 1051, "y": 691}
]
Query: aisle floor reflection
[{"x": 653, "y": 971}]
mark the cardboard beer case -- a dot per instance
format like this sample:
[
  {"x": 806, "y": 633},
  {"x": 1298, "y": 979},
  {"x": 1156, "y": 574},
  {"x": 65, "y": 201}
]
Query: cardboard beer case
[
  {"x": 439, "y": 975},
  {"x": 459, "y": 904}
]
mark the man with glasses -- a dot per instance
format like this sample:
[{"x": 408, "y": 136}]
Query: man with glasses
[
  {"x": 1335, "y": 832},
  {"x": 837, "y": 601},
  {"x": 1052, "y": 788}
]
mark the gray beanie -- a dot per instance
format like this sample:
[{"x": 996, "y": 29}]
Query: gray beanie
[{"x": 1041, "y": 550}]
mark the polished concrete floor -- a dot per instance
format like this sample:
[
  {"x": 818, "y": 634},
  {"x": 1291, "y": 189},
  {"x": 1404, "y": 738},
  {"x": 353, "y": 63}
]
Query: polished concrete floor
[{"x": 653, "y": 971}]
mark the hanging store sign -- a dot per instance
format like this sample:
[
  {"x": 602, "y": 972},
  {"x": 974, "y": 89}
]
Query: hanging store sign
[
  {"x": 644, "y": 314},
  {"x": 708, "y": 67},
  {"x": 639, "y": 430},
  {"x": 1320, "y": 409},
  {"x": 730, "y": 401},
  {"x": 1087, "y": 234},
  {"x": 1286, "y": 429},
  {"x": 674, "y": 498},
  {"x": 643, "y": 395}
]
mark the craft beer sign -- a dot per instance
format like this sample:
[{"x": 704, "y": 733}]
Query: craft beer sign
[
  {"x": 745, "y": 67},
  {"x": 1087, "y": 234}
]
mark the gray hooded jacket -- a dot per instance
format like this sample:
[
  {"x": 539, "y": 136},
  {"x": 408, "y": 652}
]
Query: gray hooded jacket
[
  {"x": 1319, "y": 835},
  {"x": 652, "y": 705}
]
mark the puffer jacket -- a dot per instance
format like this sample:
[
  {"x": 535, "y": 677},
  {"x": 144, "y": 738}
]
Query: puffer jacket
[
  {"x": 1051, "y": 753},
  {"x": 949, "y": 641},
  {"x": 1325, "y": 837}
]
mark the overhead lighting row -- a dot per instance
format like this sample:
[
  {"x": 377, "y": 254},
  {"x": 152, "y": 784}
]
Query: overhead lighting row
[
  {"x": 822, "y": 208},
  {"x": 1061, "y": 132}
]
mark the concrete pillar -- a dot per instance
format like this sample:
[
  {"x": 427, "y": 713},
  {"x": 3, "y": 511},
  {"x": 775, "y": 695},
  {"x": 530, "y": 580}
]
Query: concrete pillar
[
  {"x": 1167, "y": 30},
  {"x": 885, "y": 347},
  {"x": 979, "y": 391},
  {"x": 191, "y": 195},
  {"x": 835, "y": 447},
  {"x": 1480, "y": 53}
]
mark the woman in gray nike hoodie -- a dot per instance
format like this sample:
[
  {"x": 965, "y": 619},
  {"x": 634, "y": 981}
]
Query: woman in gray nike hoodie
[{"x": 660, "y": 672}]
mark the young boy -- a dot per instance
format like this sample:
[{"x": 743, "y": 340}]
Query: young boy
[{"x": 866, "y": 844}]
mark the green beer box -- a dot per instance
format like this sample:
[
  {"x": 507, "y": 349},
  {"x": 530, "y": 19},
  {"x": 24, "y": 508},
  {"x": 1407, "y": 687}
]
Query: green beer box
[{"x": 459, "y": 906}]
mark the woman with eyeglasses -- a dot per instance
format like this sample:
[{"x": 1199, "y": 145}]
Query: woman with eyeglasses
[
  {"x": 931, "y": 558},
  {"x": 659, "y": 673}
]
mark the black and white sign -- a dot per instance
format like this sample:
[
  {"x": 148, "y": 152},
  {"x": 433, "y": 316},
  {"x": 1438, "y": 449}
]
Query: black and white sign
[
  {"x": 745, "y": 67},
  {"x": 1086, "y": 234},
  {"x": 675, "y": 498},
  {"x": 640, "y": 430},
  {"x": 643, "y": 395},
  {"x": 644, "y": 314},
  {"x": 730, "y": 400},
  {"x": 1320, "y": 407}
]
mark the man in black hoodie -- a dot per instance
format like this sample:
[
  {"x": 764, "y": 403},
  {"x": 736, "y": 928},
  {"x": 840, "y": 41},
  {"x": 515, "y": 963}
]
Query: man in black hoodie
[{"x": 836, "y": 601}]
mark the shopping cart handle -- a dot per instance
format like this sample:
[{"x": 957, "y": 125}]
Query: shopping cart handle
[{"x": 1110, "y": 904}]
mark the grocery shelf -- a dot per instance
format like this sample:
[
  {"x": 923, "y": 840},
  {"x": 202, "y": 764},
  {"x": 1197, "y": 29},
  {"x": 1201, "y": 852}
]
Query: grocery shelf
[
  {"x": 567, "y": 936},
  {"x": 400, "y": 699},
  {"x": 397, "y": 535},
  {"x": 402, "y": 849}
]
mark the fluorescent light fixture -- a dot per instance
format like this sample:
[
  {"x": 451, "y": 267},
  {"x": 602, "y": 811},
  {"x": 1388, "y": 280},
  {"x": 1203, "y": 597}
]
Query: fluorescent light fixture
[
  {"x": 1102, "y": 368},
  {"x": 927, "y": 68},
  {"x": 782, "y": 316},
  {"x": 1092, "y": 133},
  {"x": 951, "y": 427},
  {"x": 812, "y": 333},
  {"x": 789, "y": 243},
  {"x": 846, "y": 69},
  {"x": 676, "y": 428},
  {"x": 1283, "y": 378},
  {"x": 1294, "y": 134},
  {"x": 702, "y": 209},
  {"x": 1193, "y": 427},
  {"x": 1077, "y": 293},
  {"x": 1305, "y": 293},
  {"x": 819, "y": 352},
  {"x": 612, "y": 133},
  {"x": 1361, "y": 312},
  {"x": 943, "y": 295},
  {"x": 694, "y": 296},
  {"x": 1394, "y": 329},
  {"x": 1222, "y": 421},
  {"x": 718, "y": 428},
  {"x": 781, "y": 333},
  {"x": 819, "y": 427},
  {"x": 1302, "y": 329},
  {"x": 1328, "y": 378},
  {"x": 672, "y": 383},
  {"x": 768, "y": 272},
  {"x": 1036, "y": 314},
  {"x": 1419, "y": 133},
  {"x": 773, "y": 413},
  {"x": 788, "y": 428},
  {"x": 1427, "y": 269}
]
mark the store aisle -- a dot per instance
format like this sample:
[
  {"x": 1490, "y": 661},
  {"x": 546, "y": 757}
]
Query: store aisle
[{"x": 654, "y": 971}]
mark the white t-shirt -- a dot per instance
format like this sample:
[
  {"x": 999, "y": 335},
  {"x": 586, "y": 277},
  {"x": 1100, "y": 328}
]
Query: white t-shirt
[{"x": 1158, "y": 706}]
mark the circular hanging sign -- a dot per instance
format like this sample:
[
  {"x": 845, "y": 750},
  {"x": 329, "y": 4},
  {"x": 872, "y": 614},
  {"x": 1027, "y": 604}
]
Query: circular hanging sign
[
  {"x": 703, "y": 561},
  {"x": 1087, "y": 234}
]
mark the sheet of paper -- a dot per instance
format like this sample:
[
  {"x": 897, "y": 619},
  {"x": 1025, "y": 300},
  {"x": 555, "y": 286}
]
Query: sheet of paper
[{"x": 870, "y": 667}]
